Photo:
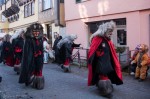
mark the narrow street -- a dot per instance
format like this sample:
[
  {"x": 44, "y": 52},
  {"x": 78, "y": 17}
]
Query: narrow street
[{"x": 60, "y": 85}]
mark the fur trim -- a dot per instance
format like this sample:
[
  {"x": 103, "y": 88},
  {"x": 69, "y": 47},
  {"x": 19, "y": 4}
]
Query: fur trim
[
  {"x": 7, "y": 37},
  {"x": 17, "y": 68},
  {"x": 144, "y": 48},
  {"x": 103, "y": 28},
  {"x": 16, "y": 34},
  {"x": 66, "y": 68},
  {"x": 38, "y": 82},
  {"x": 105, "y": 87},
  {"x": 69, "y": 38}
]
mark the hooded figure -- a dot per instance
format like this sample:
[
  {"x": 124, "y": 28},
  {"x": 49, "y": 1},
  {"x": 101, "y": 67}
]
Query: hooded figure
[
  {"x": 32, "y": 61},
  {"x": 55, "y": 48},
  {"x": 7, "y": 51},
  {"x": 65, "y": 46},
  {"x": 17, "y": 41},
  {"x": 103, "y": 64}
]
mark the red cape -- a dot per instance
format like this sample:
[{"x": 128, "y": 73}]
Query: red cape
[{"x": 96, "y": 41}]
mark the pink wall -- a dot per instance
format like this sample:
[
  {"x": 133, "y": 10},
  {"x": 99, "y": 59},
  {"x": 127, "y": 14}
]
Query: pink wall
[
  {"x": 92, "y": 8},
  {"x": 145, "y": 27},
  {"x": 133, "y": 29},
  {"x": 137, "y": 22},
  {"x": 78, "y": 27}
]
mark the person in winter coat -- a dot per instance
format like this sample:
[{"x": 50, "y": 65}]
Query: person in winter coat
[
  {"x": 133, "y": 66},
  {"x": 17, "y": 41},
  {"x": 142, "y": 63},
  {"x": 56, "y": 50},
  {"x": 7, "y": 51},
  {"x": 46, "y": 50},
  {"x": 65, "y": 46}
]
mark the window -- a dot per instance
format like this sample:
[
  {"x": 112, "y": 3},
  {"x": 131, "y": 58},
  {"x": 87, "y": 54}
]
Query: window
[
  {"x": 61, "y": 1},
  {"x": 32, "y": 9},
  {"x": 79, "y": 1},
  {"x": 29, "y": 9},
  {"x": 3, "y": 19},
  {"x": 46, "y": 4},
  {"x": 121, "y": 37},
  {"x": 25, "y": 11}
]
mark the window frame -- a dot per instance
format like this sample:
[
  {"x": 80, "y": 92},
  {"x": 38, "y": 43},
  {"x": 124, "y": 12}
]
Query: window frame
[
  {"x": 29, "y": 9},
  {"x": 43, "y": 5}
]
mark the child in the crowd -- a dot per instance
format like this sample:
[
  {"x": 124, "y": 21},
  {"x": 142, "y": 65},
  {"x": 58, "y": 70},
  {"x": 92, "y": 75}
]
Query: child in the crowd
[
  {"x": 133, "y": 66},
  {"x": 141, "y": 59}
]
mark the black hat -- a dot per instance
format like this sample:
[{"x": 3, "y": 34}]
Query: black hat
[{"x": 36, "y": 27}]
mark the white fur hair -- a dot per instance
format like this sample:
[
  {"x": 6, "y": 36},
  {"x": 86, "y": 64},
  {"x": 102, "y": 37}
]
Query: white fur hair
[
  {"x": 16, "y": 34},
  {"x": 71, "y": 36},
  {"x": 68, "y": 38},
  {"x": 103, "y": 29}
]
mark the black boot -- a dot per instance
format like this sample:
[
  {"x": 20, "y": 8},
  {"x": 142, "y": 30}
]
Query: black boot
[{"x": 0, "y": 79}]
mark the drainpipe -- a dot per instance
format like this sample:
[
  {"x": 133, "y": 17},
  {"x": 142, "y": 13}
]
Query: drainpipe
[{"x": 5, "y": 4}]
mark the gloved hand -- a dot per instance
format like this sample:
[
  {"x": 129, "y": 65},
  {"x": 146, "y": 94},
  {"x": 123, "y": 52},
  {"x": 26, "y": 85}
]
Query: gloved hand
[
  {"x": 79, "y": 45},
  {"x": 140, "y": 66}
]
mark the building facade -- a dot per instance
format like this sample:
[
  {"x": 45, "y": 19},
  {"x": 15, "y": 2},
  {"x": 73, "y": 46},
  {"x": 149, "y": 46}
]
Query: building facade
[
  {"x": 19, "y": 14},
  {"x": 132, "y": 20},
  {"x": 51, "y": 15}
]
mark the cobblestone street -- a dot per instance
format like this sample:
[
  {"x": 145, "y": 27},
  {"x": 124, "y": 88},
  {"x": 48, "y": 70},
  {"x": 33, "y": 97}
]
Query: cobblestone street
[{"x": 60, "y": 85}]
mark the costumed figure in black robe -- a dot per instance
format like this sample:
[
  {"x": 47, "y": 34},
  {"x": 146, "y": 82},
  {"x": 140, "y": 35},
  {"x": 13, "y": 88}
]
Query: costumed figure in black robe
[
  {"x": 32, "y": 61},
  {"x": 1, "y": 44},
  {"x": 103, "y": 64},
  {"x": 55, "y": 48},
  {"x": 17, "y": 41},
  {"x": 65, "y": 46},
  {"x": 7, "y": 51}
]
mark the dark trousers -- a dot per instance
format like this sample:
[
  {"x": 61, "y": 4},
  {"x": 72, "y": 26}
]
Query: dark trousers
[{"x": 133, "y": 67}]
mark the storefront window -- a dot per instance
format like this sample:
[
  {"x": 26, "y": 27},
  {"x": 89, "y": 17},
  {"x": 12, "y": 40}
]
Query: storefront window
[{"x": 121, "y": 37}]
